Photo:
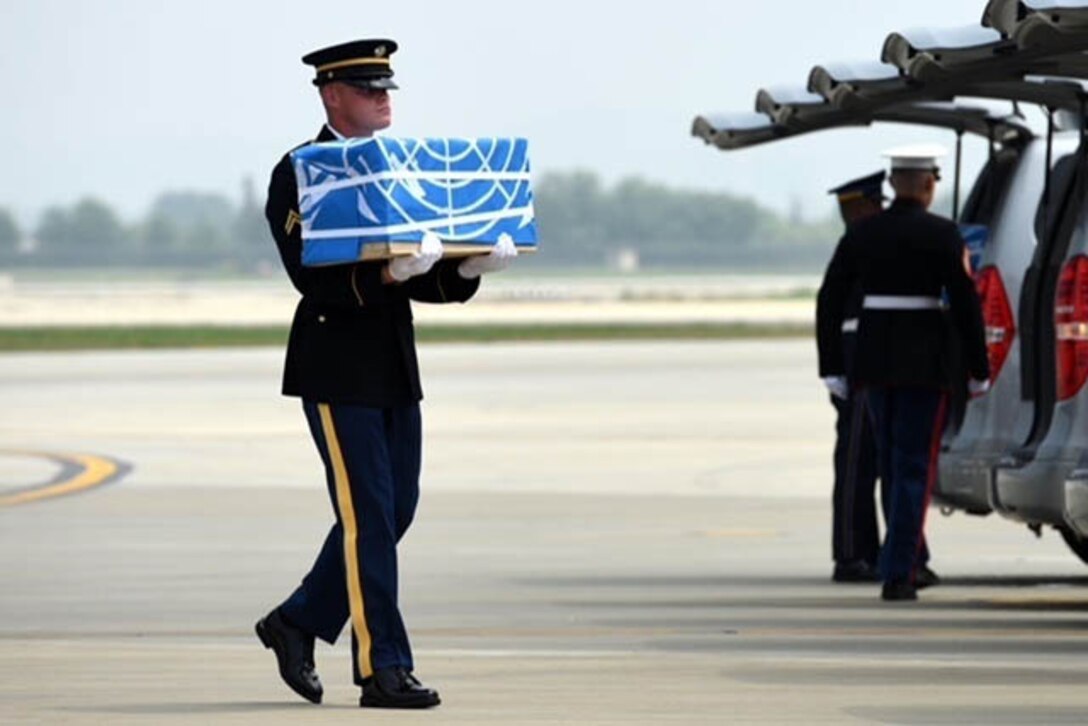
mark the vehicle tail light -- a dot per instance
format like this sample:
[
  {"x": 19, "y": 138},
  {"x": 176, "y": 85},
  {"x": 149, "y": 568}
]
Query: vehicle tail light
[
  {"x": 1071, "y": 327},
  {"x": 997, "y": 316}
]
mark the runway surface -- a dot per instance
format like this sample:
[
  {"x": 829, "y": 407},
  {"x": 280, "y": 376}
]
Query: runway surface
[
  {"x": 609, "y": 534},
  {"x": 516, "y": 299}
]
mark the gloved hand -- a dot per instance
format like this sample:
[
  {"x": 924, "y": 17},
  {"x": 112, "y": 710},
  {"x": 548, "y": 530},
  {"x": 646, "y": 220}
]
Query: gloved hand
[
  {"x": 838, "y": 386},
  {"x": 419, "y": 262},
  {"x": 976, "y": 387},
  {"x": 500, "y": 257}
]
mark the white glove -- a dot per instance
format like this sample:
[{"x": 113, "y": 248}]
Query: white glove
[
  {"x": 976, "y": 387},
  {"x": 500, "y": 257},
  {"x": 420, "y": 261},
  {"x": 838, "y": 386}
]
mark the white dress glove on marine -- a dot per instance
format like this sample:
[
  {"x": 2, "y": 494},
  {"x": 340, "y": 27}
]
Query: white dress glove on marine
[
  {"x": 500, "y": 257},
  {"x": 419, "y": 262},
  {"x": 838, "y": 386},
  {"x": 976, "y": 387}
]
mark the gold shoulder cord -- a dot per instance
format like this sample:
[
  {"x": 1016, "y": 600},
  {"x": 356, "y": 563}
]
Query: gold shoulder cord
[
  {"x": 355, "y": 286},
  {"x": 441, "y": 290}
]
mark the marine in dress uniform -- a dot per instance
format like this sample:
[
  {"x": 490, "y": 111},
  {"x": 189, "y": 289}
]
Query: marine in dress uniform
[
  {"x": 905, "y": 261},
  {"x": 351, "y": 358},
  {"x": 855, "y": 533}
]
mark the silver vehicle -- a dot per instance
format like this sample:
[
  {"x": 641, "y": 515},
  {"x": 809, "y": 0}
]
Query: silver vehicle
[{"x": 1021, "y": 449}]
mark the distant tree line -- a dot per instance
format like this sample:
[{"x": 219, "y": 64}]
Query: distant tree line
[
  {"x": 181, "y": 229},
  {"x": 582, "y": 223}
]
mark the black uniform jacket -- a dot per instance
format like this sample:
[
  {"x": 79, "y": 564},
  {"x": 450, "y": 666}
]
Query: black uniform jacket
[
  {"x": 351, "y": 339},
  {"x": 903, "y": 251}
]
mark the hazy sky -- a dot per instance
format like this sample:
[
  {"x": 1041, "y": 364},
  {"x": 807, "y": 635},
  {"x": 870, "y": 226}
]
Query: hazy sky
[{"x": 121, "y": 99}]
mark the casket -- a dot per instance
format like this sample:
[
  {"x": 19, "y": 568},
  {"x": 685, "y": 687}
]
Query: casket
[
  {"x": 975, "y": 239},
  {"x": 375, "y": 198}
]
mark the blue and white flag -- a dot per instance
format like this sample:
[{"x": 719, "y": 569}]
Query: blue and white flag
[
  {"x": 367, "y": 198},
  {"x": 975, "y": 238}
]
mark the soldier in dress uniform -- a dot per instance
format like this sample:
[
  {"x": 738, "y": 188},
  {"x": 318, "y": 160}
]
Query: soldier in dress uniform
[
  {"x": 855, "y": 533},
  {"x": 351, "y": 358},
  {"x": 904, "y": 260}
]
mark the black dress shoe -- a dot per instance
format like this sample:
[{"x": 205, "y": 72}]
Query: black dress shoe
[
  {"x": 855, "y": 571},
  {"x": 898, "y": 590},
  {"x": 396, "y": 688},
  {"x": 295, "y": 654},
  {"x": 925, "y": 577}
]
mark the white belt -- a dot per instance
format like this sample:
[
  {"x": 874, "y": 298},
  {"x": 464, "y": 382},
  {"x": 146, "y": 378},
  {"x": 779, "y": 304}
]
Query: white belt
[
  {"x": 901, "y": 302},
  {"x": 850, "y": 325}
]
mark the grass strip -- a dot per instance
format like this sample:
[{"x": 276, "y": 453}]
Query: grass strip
[{"x": 49, "y": 338}]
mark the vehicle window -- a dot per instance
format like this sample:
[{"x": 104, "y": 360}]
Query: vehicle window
[{"x": 989, "y": 189}]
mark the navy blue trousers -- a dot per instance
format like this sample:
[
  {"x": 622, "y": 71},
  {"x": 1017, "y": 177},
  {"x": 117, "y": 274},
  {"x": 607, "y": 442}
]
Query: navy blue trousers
[
  {"x": 372, "y": 463},
  {"x": 855, "y": 534},
  {"x": 907, "y": 425}
]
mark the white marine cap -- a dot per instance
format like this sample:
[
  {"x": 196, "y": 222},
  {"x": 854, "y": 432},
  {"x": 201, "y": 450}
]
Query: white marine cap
[{"x": 916, "y": 156}]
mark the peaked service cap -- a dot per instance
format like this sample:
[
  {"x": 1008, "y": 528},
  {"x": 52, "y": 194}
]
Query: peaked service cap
[
  {"x": 362, "y": 63},
  {"x": 867, "y": 187}
]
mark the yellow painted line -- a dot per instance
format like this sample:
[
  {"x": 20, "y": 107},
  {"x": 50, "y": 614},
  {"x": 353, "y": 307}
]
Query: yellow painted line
[{"x": 94, "y": 470}]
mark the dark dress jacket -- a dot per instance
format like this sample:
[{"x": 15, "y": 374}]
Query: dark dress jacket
[
  {"x": 903, "y": 251},
  {"x": 352, "y": 339}
]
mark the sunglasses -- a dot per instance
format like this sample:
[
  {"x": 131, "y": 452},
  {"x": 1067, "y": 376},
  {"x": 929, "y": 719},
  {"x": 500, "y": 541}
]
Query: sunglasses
[{"x": 369, "y": 92}]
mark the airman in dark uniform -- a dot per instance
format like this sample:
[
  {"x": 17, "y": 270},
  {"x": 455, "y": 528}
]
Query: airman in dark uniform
[
  {"x": 905, "y": 261},
  {"x": 855, "y": 533},
  {"x": 351, "y": 358}
]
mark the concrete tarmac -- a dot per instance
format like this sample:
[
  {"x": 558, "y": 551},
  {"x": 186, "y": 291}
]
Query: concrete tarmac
[
  {"x": 516, "y": 299},
  {"x": 609, "y": 534}
]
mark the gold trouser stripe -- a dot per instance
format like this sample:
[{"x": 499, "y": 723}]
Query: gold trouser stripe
[
  {"x": 94, "y": 471},
  {"x": 351, "y": 536},
  {"x": 353, "y": 62}
]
